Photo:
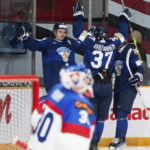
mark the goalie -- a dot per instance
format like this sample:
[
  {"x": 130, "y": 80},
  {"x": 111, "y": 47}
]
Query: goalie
[{"x": 65, "y": 119}]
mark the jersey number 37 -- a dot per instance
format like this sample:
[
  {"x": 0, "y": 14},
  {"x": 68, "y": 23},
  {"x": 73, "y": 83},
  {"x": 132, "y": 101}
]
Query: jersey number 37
[{"x": 99, "y": 60}]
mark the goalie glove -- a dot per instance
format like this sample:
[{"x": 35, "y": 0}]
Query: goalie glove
[
  {"x": 21, "y": 34},
  {"x": 78, "y": 10},
  {"x": 136, "y": 79},
  {"x": 126, "y": 13}
]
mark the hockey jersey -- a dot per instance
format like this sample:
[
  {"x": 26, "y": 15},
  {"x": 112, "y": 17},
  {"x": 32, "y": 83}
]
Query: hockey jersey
[
  {"x": 55, "y": 54},
  {"x": 126, "y": 62},
  {"x": 64, "y": 121},
  {"x": 100, "y": 55}
]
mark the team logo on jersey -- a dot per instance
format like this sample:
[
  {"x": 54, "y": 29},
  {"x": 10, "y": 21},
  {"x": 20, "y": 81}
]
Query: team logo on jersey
[
  {"x": 57, "y": 95},
  {"x": 64, "y": 52},
  {"x": 118, "y": 67},
  {"x": 79, "y": 104}
]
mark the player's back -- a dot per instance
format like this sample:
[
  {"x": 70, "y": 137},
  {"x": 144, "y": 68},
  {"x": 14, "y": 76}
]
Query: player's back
[
  {"x": 99, "y": 55},
  {"x": 64, "y": 124}
]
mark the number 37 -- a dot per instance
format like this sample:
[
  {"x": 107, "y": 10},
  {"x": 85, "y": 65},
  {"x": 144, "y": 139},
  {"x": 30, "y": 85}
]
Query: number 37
[{"x": 98, "y": 59}]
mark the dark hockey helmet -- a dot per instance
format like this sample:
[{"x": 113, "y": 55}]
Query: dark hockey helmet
[
  {"x": 99, "y": 33},
  {"x": 59, "y": 25}
]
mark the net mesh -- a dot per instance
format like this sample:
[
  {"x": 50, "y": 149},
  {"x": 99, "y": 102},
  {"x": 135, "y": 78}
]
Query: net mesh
[{"x": 16, "y": 103}]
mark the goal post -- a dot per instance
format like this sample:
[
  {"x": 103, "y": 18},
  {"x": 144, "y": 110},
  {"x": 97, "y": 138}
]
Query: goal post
[{"x": 19, "y": 95}]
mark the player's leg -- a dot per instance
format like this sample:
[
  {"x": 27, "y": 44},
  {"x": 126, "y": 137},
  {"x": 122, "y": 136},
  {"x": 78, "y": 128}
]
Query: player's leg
[
  {"x": 103, "y": 97},
  {"x": 121, "y": 130},
  {"x": 123, "y": 103}
]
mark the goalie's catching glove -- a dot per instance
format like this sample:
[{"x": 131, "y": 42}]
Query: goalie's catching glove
[
  {"x": 78, "y": 10},
  {"x": 136, "y": 79},
  {"x": 21, "y": 34},
  {"x": 126, "y": 13}
]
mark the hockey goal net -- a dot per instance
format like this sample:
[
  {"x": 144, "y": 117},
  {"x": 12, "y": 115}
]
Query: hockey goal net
[{"x": 19, "y": 95}]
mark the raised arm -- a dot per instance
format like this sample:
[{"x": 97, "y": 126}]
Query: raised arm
[
  {"x": 124, "y": 18},
  {"x": 78, "y": 15},
  {"x": 29, "y": 42}
]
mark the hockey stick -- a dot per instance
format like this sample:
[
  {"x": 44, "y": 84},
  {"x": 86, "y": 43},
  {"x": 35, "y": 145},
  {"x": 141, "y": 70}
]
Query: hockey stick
[
  {"x": 127, "y": 62},
  {"x": 138, "y": 90},
  {"x": 133, "y": 37}
]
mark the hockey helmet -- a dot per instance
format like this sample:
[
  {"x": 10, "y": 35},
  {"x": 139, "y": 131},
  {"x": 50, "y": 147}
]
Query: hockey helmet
[
  {"x": 59, "y": 25},
  {"x": 99, "y": 33},
  {"x": 77, "y": 78}
]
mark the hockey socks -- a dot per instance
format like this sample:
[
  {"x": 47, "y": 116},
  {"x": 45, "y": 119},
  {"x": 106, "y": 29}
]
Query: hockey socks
[
  {"x": 98, "y": 131},
  {"x": 122, "y": 124}
]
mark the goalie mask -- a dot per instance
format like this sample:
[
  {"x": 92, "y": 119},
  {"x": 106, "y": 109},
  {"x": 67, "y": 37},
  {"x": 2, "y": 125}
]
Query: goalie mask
[
  {"x": 100, "y": 33},
  {"x": 59, "y": 25},
  {"x": 78, "y": 79}
]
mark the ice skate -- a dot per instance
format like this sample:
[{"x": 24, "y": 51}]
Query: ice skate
[
  {"x": 93, "y": 147},
  {"x": 117, "y": 144}
]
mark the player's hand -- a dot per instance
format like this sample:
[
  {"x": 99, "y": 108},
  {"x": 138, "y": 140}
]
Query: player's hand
[
  {"x": 91, "y": 31},
  {"x": 78, "y": 10},
  {"x": 126, "y": 13},
  {"x": 136, "y": 79},
  {"x": 20, "y": 33}
]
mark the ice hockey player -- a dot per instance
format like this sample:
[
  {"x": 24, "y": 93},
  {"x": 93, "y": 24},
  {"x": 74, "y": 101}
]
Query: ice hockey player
[
  {"x": 65, "y": 119},
  {"x": 99, "y": 56},
  {"x": 129, "y": 73},
  {"x": 56, "y": 52}
]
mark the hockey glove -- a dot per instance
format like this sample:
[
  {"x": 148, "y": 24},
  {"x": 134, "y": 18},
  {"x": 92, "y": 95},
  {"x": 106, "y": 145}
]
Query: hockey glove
[
  {"x": 136, "y": 79},
  {"x": 126, "y": 13},
  {"x": 91, "y": 31},
  {"x": 78, "y": 10},
  {"x": 21, "y": 34}
]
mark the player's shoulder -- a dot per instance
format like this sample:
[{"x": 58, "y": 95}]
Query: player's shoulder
[
  {"x": 69, "y": 40},
  {"x": 56, "y": 93},
  {"x": 131, "y": 47}
]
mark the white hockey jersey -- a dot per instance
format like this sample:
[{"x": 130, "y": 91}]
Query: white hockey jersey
[{"x": 64, "y": 121}]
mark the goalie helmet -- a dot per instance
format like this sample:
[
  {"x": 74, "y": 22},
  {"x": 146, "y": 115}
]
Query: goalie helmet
[
  {"x": 77, "y": 78},
  {"x": 99, "y": 33},
  {"x": 59, "y": 25}
]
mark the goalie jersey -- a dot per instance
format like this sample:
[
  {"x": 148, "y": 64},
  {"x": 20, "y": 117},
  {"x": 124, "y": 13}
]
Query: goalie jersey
[{"x": 63, "y": 121}]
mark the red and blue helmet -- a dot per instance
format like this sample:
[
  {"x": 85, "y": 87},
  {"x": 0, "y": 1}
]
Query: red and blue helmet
[{"x": 77, "y": 78}]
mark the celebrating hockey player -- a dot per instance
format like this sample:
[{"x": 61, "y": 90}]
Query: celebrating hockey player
[
  {"x": 55, "y": 52},
  {"x": 65, "y": 119},
  {"x": 129, "y": 73},
  {"x": 99, "y": 56}
]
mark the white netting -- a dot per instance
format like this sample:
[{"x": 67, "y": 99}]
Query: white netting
[{"x": 16, "y": 102}]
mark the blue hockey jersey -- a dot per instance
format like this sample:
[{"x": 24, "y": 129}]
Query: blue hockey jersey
[
  {"x": 64, "y": 121},
  {"x": 100, "y": 55},
  {"x": 126, "y": 61},
  {"x": 55, "y": 54}
]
